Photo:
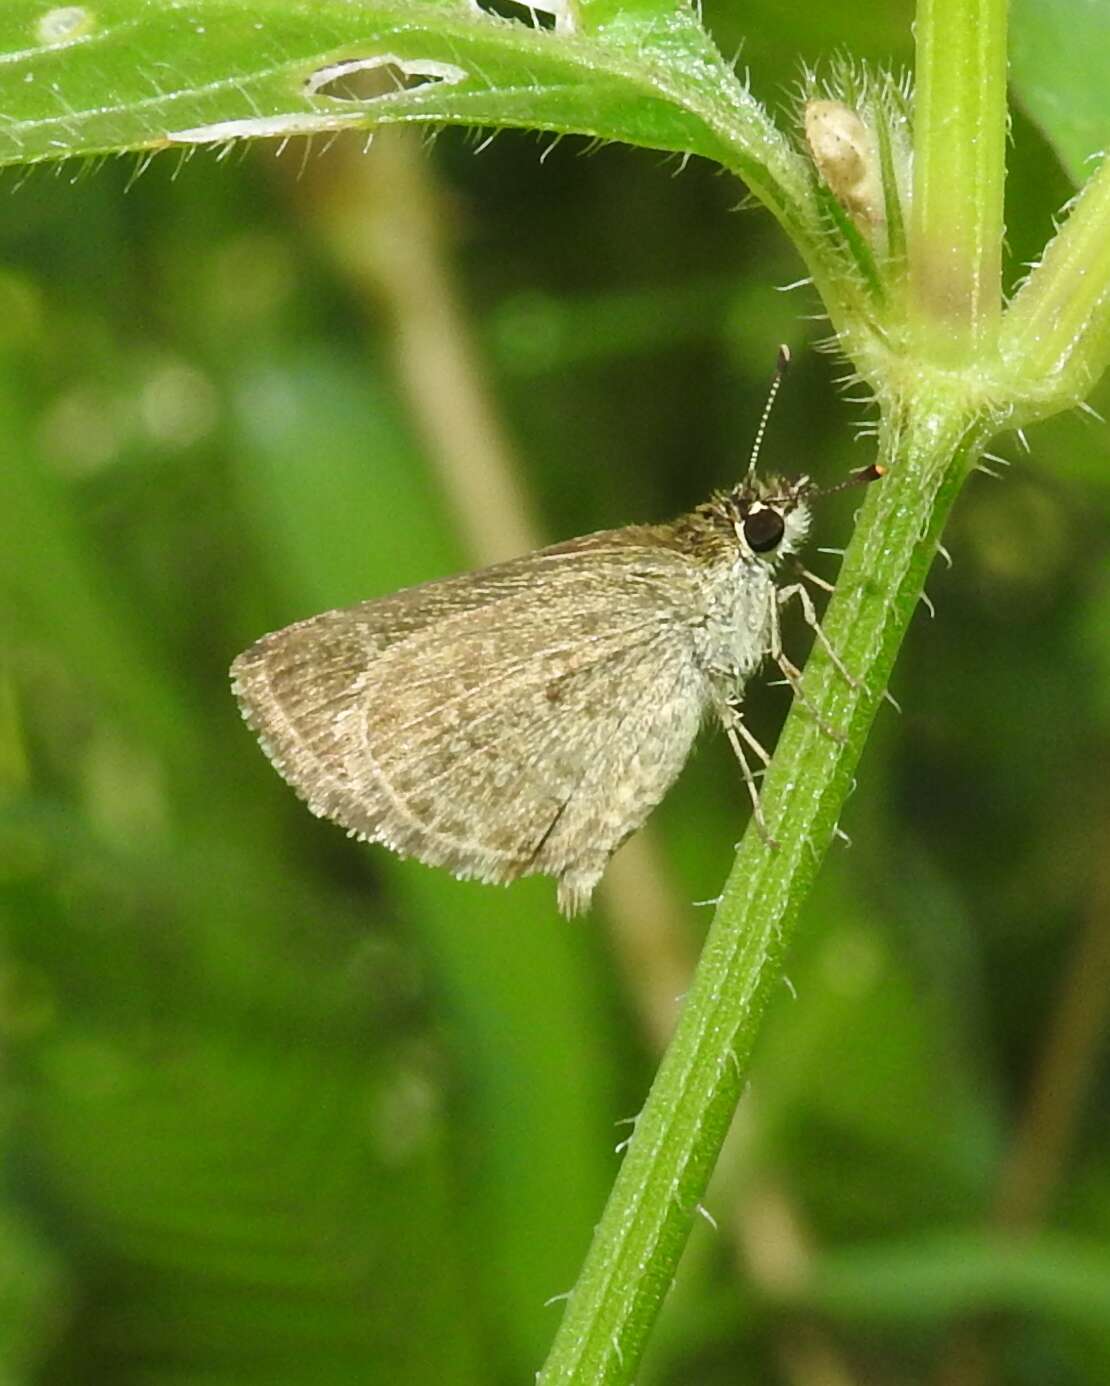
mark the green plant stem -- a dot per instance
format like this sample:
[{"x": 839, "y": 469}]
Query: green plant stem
[
  {"x": 1056, "y": 334},
  {"x": 959, "y": 174},
  {"x": 929, "y": 445}
]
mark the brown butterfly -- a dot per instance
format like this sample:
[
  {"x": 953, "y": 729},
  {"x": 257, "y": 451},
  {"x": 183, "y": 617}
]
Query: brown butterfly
[{"x": 528, "y": 717}]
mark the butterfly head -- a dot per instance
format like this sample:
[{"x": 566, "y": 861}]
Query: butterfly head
[{"x": 770, "y": 516}]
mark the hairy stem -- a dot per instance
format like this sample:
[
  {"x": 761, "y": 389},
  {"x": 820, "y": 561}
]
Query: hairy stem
[
  {"x": 959, "y": 174},
  {"x": 1056, "y": 334},
  {"x": 632, "y": 1261}
]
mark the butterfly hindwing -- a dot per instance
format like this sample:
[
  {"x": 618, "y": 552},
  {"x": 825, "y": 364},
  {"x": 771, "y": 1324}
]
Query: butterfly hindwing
[{"x": 522, "y": 719}]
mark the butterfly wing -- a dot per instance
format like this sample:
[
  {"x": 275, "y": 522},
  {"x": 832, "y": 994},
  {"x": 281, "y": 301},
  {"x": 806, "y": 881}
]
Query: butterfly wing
[{"x": 518, "y": 720}]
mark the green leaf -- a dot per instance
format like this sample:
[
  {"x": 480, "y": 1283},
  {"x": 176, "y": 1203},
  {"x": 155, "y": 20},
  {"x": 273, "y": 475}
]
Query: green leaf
[
  {"x": 963, "y": 1273},
  {"x": 261, "y": 1210},
  {"x": 136, "y": 75},
  {"x": 1059, "y": 58},
  {"x": 146, "y": 75}
]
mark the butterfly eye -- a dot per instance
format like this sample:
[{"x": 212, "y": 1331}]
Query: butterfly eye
[{"x": 763, "y": 530}]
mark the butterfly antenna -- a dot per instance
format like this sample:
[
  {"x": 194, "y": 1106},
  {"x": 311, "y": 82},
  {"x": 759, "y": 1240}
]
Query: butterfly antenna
[
  {"x": 875, "y": 472},
  {"x": 781, "y": 366}
]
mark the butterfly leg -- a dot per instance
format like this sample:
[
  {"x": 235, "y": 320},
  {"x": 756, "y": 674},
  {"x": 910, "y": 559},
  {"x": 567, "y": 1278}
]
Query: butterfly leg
[
  {"x": 809, "y": 613},
  {"x": 818, "y": 581},
  {"x": 790, "y": 671},
  {"x": 739, "y": 737}
]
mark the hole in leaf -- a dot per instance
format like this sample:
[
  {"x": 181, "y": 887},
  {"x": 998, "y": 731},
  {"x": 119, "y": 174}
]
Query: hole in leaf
[
  {"x": 542, "y": 16},
  {"x": 383, "y": 75}
]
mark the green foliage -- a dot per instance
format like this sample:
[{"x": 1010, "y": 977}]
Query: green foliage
[
  {"x": 1060, "y": 55},
  {"x": 138, "y": 74}
]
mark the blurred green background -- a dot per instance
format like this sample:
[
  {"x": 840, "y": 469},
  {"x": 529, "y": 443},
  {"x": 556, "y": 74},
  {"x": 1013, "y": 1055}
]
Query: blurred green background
[{"x": 280, "y": 1108}]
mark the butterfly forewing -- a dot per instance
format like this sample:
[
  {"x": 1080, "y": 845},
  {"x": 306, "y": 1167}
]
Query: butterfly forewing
[{"x": 471, "y": 723}]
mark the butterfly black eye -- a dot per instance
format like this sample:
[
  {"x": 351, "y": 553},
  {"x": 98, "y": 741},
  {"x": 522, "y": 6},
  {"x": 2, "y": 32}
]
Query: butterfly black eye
[{"x": 763, "y": 529}]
